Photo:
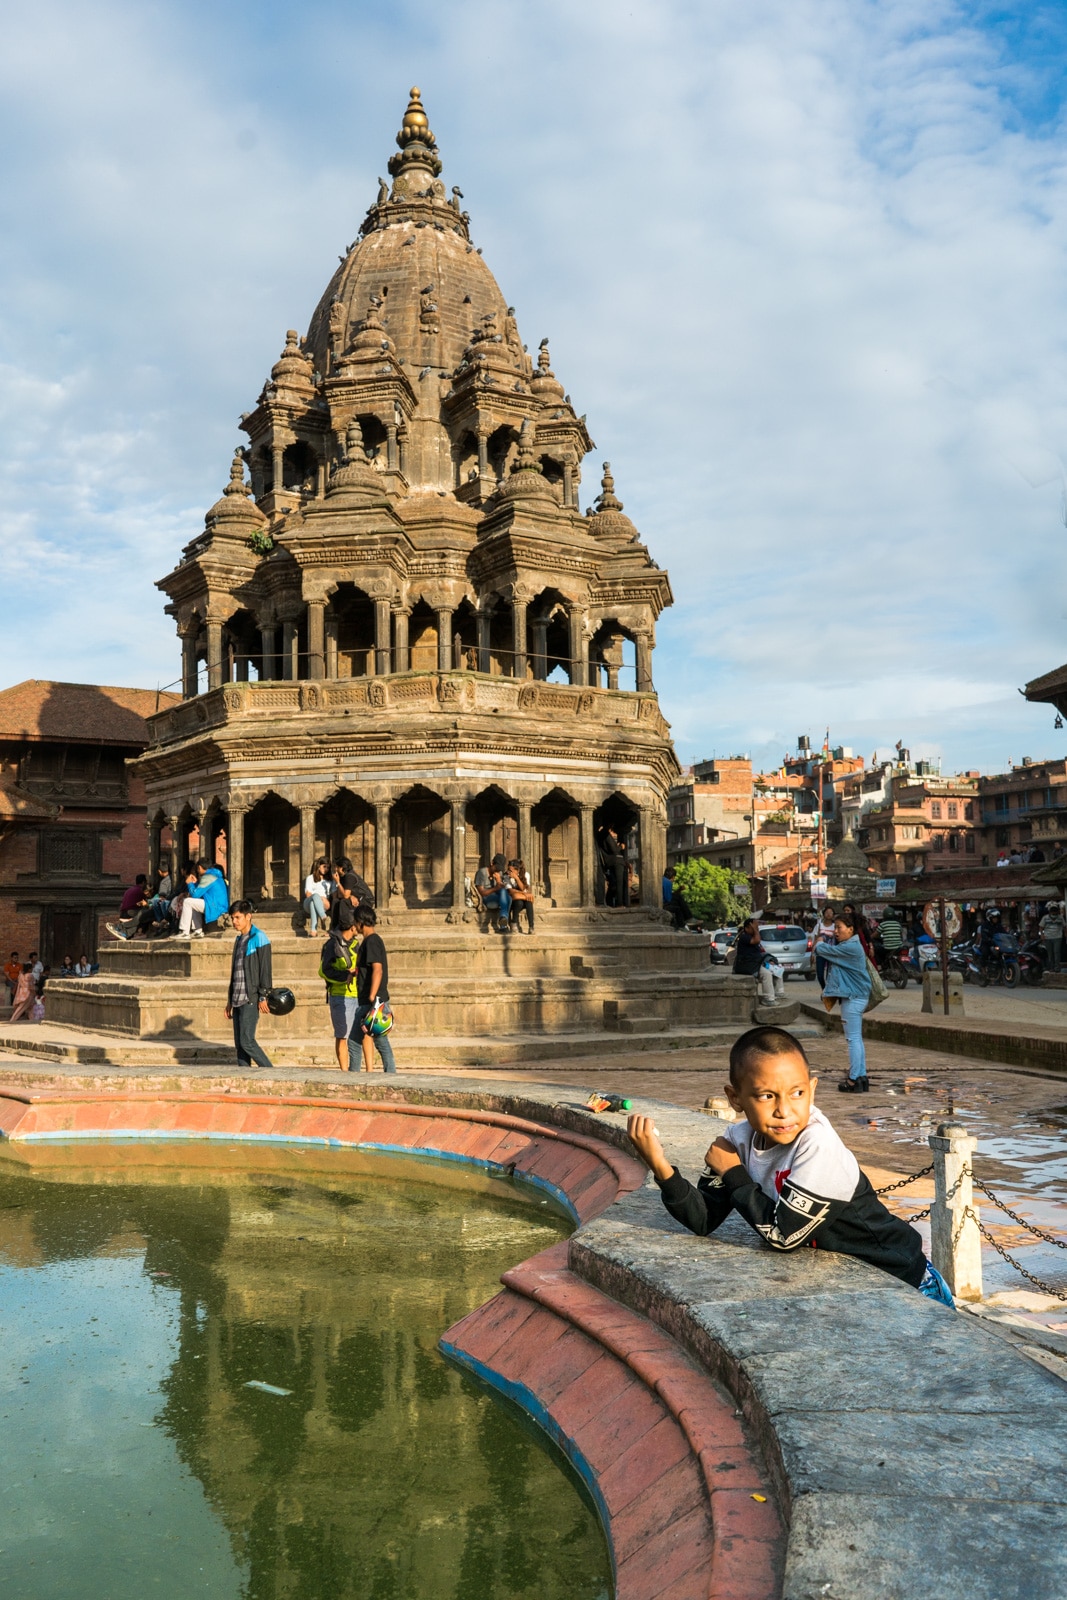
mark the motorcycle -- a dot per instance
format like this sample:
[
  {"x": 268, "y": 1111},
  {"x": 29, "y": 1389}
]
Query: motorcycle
[
  {"x": 1001, "y": 964},
  {"x": 1033, "y": 961}
]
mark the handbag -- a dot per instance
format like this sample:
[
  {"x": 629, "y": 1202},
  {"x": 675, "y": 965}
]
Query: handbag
[{"x": 879, "y": 992}]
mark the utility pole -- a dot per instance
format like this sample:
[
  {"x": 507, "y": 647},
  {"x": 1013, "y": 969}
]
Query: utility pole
[{"x": 822, "y": 838}]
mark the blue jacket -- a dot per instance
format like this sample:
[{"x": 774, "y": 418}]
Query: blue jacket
[
  {"x": 848, "y": 978},
  {"x": 258, "y": 976},
  {"x": 212, "y": 890}
]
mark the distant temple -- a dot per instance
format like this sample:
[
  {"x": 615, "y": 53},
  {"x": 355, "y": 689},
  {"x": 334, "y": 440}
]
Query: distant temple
[{"x": 403, "y": 641}]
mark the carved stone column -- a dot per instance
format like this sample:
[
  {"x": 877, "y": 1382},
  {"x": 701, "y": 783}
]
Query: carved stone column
[
  {"x": 289, "y": 646},
  {"x": 279, "y": 470},
  {"x": 483, "y": 457},
  {"x": 381, "y": 854},
  {"x": 540, "y": 649},
  {"x": 518, "y": 638},
  {"x": 576, "y": 646},
  {"x": 568, "y": 481},
  {"x": 587, "y": 865},
  {"x": 153, "y": 853},
  {"x": 189, "y": 674},
  {"x": 316, "y": 638},
  {"x": 382, "y": 642},
  {"x": 644, "y": 663},
  {"x": 526, "y": 838},
  {"x": 459, "y": 855},
  {"x": 483, "y": 641},
  {"x": 402, "y": 617},
  {"x": 173, "y": 825},
  {"x": 331, "y": 643},
  {"x": 266, "y": 645},
  {"x": 307, "y": 839},
  {"x": 235, "y": 850},
  {"x": 392, "y": 455},
  {"x": 652, "y": 843},
  {"x": 214, "y": 655},
  {"x": 320, "y": 478},
  {"x": 444, "y": 638}
]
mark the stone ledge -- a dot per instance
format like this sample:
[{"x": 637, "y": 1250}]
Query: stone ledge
[
  {"x": 896, "y": 1428},
  {"x": 1045, "y": 1048}
]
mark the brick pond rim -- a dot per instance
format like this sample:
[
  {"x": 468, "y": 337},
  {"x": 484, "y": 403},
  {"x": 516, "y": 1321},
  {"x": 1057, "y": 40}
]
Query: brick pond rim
[{"x": 749, "y": 1425}]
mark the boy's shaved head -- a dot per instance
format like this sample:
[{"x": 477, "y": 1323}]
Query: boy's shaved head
[{"x": 762, "y": 1042}]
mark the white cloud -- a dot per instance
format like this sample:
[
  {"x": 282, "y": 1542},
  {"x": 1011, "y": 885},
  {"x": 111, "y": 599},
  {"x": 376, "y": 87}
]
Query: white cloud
[{"x": 802, "y": 265}]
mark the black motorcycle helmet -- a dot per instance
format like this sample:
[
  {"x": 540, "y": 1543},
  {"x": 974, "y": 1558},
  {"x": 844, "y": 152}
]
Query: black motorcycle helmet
[{"x": 280, "y": 1002}]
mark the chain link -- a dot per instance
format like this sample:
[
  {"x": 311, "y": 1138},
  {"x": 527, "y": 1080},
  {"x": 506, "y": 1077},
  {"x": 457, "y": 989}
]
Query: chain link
[{"x": 915, "y": 1176}]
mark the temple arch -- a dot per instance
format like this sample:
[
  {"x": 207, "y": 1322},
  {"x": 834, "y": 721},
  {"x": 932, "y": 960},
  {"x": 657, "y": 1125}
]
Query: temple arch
[
  {"x": 492, "y": 828},
  {"x": 613, "y": 656},
  {"x": 272, "y": 851},
  {"x": 420, "y": 849},
  {"x": 623, "y": 817},
  {"x": 352, "y": 624},
  {"x": 345, "y": 826},
  {"x": 556, "y": 830}
]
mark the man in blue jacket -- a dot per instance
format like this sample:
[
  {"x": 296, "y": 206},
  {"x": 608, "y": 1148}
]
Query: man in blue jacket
[
  {"x": 250, "y": 982},
  {"x": 207, "y": 899}
]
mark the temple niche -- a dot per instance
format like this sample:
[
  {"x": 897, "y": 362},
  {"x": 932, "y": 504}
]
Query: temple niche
[{"x": 402, "y": 638}]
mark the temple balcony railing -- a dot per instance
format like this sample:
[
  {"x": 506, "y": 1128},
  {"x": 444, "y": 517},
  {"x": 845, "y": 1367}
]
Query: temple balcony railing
[{"x": 401, "y": 694}]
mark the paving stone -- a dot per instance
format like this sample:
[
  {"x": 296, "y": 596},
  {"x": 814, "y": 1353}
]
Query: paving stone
[{"x": 892, "y": 1548}]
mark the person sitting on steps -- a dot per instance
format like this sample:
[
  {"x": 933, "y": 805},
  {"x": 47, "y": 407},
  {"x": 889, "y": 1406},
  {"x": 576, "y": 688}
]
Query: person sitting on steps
[
  {"x": 492, "y": 890},
  {"x": 521, "y": 891}
]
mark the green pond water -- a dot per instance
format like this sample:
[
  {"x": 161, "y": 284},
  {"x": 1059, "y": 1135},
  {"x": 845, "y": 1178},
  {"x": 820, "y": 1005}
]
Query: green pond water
[{"x": 142, "y": 1288}]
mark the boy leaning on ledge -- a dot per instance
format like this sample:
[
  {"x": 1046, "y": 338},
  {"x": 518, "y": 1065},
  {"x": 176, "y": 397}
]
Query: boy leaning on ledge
[{"x": 786, "y": 1170}]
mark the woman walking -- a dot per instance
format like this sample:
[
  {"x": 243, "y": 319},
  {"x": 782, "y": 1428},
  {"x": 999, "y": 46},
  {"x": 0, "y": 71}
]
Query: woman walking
[
  {"x": 25, "y": 995},
  {"x": 848, "y": 981}
]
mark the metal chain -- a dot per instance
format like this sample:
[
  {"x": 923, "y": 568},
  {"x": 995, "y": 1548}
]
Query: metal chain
[
  {"x": 1061, "y": 1244},
  {"x": 1046, "y": 1288},
  {"x": 905, "y": 1181}
]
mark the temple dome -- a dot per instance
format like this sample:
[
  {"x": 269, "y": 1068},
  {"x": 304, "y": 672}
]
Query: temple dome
[{"x": 415, "y": 255}]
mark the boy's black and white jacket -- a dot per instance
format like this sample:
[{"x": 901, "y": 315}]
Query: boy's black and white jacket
[{"x": 810, "y": 1192}]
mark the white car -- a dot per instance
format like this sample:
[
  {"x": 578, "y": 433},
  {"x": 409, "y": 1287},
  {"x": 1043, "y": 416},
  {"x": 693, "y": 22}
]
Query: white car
[
  {"x": 789, "y": 945},
  {"x": 722, "y": 942}
]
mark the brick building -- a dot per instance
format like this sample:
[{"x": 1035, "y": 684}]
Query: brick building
[
  {"x": 72, "y": 819},
  {"x": 926, "y": 824},
  {"x": 1023, "y": 809}
]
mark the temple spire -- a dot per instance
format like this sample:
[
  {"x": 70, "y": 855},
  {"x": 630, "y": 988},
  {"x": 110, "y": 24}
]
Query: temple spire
[{"x": 417, "y": 146}]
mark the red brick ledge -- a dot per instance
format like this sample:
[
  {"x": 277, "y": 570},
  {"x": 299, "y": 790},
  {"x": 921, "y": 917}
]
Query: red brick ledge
[
  {"x": 586, "y": 1174},
  {"x": 660, "y": 1447}
]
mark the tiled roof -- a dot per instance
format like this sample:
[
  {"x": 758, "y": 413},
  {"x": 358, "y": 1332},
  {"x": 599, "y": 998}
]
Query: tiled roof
[
  {"x": 18, "y": 805},
  {"x": 87, "y": 713}
]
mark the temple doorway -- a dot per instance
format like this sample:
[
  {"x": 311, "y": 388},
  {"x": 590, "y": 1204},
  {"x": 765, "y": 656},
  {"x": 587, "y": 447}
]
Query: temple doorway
[{"x": 344, "y": 826}]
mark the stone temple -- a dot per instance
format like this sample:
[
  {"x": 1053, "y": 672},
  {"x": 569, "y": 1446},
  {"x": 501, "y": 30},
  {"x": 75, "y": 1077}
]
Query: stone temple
[{"x": 405, "y": 642}]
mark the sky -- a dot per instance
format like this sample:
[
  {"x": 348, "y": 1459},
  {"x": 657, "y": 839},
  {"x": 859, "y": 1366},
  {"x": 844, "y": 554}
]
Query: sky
[{"x": 802, "y": 265}]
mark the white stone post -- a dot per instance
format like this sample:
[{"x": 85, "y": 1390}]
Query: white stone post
[{"x": 955, "y": 1242}]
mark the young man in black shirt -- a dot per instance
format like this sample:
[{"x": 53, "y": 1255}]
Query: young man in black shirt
[{"x": 372, "y": 985}]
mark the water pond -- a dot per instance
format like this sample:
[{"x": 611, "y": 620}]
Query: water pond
[{"x": 221, "y": 1377}]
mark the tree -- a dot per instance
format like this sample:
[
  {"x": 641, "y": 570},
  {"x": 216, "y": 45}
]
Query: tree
[{"x": 710, "y": 891}]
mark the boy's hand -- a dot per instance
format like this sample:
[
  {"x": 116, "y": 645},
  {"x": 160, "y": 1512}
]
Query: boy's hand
[
  {"x": 722, "y": 1156},
  {"x": 645, "y": 1141}
]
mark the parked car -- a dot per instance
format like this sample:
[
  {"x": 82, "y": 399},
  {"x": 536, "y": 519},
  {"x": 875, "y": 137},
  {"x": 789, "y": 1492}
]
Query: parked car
[
  {"x": 791, "y": 946},
  {"x": 722, "y": 942}
]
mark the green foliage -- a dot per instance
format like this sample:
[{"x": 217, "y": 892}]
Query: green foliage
[
  {"x": 709, "y": 891},
  {"x": 261, "y": 543}
]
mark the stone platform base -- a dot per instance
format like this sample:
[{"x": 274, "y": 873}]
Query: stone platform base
[{"x": 622, "y": 973}]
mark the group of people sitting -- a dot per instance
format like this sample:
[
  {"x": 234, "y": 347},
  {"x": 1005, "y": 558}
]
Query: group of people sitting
[
  {"x": 505, "y": 887},
  {"x": 203, "y": 898}
]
